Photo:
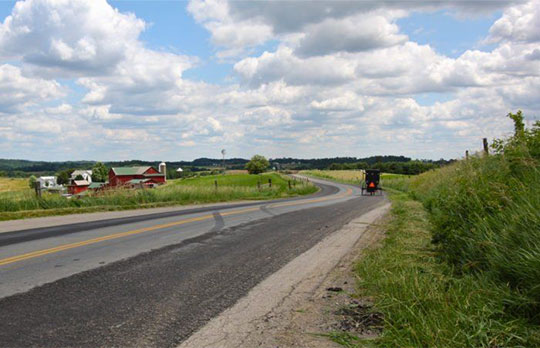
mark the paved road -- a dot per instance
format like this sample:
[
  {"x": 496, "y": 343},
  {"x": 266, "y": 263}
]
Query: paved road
[{"x": 153, "y": 280}]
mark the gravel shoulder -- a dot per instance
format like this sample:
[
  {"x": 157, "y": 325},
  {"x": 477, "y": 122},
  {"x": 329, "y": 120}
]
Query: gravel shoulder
[{"x": 296, "y": 305}]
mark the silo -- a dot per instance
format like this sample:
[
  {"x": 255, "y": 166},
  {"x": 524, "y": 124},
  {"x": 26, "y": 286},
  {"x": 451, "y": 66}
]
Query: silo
[{"x": 163, "y": 169}]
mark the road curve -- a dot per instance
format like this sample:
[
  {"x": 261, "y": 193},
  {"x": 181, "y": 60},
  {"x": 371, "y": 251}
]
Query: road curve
[{"x": 153, "y": 280}]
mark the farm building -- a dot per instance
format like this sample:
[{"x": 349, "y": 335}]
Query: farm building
[
  {"x": 85, "y": 174},
  {"x": 48, "y": 183},
  {"x": 136, "y": 176},
  {"x": 79, "y": 186}
]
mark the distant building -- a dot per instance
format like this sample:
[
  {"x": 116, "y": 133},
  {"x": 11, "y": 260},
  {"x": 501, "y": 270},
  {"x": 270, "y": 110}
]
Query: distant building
[
  {"x": 163, "y": 170},
  {"x": 78, "y": 186},
  {"x": 85, "y": 174},
  {"x": 48, "y": 183},
  {"x": 135, "y": 176},
  {"x": 96, "y": 185}
]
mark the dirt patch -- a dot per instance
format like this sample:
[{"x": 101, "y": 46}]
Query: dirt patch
[
  {"x": 360, "y": 318},
  {"x": 331, "y": 308}
]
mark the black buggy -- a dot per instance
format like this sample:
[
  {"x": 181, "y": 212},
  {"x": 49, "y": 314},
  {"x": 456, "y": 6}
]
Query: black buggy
[{"x": 371, "y": 184}]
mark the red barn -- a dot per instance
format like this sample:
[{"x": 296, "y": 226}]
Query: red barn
[
  {"x": 121, "y": 176},
  {"x": 78, "y": 186}
]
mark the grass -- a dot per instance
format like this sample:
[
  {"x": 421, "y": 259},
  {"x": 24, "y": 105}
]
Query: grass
[
  {"x": 23, "y": 204},
  {"x": 13, "y": 184},
  {"x": 353, "y": 177},
  {"x": 423, "y": 301},
  {"x": 485, "y": 220},
  {"x": 460, "y": 266}
]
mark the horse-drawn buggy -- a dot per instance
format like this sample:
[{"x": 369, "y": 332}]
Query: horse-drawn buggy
[{"x": 371, "y": 185}]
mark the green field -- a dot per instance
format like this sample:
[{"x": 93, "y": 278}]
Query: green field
[
  {"x": 24, "y": 204},
  {"x": 353, "y": 177},
  {"x": 13, "y": 184}
]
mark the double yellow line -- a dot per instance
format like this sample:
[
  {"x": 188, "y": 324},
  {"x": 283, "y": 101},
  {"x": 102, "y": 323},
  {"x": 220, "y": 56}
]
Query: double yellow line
[{"x": 43, "y": 252}]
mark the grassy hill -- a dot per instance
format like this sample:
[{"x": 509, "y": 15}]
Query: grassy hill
[
  {"x": 23, "y": 203},
  {"x": 460, "y": 266}
]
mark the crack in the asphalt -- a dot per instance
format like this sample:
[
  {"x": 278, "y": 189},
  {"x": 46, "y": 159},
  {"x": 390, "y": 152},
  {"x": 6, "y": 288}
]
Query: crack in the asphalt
[
  {"x": 218, "y": 224},
  {"x": 264, "y": 208}
]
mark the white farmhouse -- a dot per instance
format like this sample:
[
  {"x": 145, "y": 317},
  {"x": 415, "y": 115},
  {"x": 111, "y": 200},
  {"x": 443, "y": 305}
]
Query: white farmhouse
[
  {"x": 48, "y": 183},
  {"x": 86, "y": 175}
]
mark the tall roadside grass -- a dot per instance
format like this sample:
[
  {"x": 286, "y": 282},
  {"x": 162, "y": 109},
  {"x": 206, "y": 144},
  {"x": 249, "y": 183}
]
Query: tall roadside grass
[
  {"x": 460, "y": 266},
  {"x": 423, "y": 302},
  {"x": 485, "y": 216},
  {"x": 185, "y": 191}
]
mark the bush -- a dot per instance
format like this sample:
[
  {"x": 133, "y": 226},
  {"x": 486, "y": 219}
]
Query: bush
[{"x": 32, "y": 181}]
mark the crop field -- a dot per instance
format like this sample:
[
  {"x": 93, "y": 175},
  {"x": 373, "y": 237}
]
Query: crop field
[
  {"x": 347, "y": 176},
  {"x": 13, "y": 184},
  {"x": 234, "y": 179},
  {"x": 23, "y": 203},
  {"x": 237, "y": 171}
]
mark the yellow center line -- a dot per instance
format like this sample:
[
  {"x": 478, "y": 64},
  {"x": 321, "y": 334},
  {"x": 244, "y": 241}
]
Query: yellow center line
[{"x": 43, "y": 252}]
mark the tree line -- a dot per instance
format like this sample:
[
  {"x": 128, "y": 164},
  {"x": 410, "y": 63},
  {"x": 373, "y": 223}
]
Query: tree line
[
  {"x": 407, "y": 168},
  {"x": 392, "y": 164}
]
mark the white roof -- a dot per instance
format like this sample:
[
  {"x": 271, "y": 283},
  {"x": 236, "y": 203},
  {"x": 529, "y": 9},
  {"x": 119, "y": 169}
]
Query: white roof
[
  {"x": 47, "y": 178},
  {"x": 81, "y": 172},
  {"x": 81, "y": 182},
  {"x": 179, "y": 170}
]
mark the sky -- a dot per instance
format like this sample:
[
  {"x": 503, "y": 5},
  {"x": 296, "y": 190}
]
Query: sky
[{"x": 178, "y": 80}]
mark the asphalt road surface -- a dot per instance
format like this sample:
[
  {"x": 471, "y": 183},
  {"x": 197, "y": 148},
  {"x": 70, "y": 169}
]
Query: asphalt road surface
[{"x": 152, "y": 280}]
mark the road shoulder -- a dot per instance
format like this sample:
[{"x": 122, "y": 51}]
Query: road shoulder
[{"x": 286, "y": 309}]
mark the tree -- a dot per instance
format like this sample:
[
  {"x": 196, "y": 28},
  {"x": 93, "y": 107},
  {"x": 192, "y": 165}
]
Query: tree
[
  {"x": 32, "y": 181},
  {"x": 335, "y": 166},
  {"x": 519, "y": 126},
  {"x": 257, "y": 164},
  {"x": 79, "y": 177},
  {"x": 64, "y": 176},
  {"x": 100, "y": 173}
]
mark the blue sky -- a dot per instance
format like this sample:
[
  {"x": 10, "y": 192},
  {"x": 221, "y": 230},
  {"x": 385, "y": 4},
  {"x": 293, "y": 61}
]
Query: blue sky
[{"x": 299, "y": 79}]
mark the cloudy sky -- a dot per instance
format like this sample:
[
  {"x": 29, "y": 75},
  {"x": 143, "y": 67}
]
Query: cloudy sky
[{"x": 178, "y": 80}]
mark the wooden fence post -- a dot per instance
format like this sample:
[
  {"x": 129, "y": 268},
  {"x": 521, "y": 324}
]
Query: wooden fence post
[
  {"x": 467, "y": 154},
  {"x": 37, "y": 187},
  {"x": 289, "y": 184},
  {"x": 215, "y": 184},
  {"x": 486, "y": 149},
  {"x": 270, "y": 182}
]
